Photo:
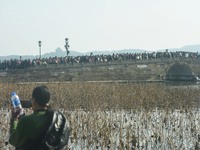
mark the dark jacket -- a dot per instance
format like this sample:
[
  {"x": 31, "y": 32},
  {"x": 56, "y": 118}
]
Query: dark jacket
[{"x": 28, "y": 132}]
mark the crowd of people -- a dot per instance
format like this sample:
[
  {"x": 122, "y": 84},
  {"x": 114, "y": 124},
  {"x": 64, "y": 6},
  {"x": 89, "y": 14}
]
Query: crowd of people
[{"x": 13, "y": 64}]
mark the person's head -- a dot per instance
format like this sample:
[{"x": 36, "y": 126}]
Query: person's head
[{"x": 40, "y": 97}]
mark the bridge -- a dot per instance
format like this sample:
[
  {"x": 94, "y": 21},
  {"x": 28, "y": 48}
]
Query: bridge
[{"x": 140, "y": 70}]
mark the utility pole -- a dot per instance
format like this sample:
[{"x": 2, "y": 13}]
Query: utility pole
[{"x": 40, "y": 44}]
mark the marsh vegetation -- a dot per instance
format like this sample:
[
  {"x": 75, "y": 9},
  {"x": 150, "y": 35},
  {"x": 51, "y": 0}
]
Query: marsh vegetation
[{"x": 118, "y": 116}]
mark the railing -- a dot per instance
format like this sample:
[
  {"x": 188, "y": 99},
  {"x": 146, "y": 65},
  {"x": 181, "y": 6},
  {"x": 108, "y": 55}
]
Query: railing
[
  {"x": 181, "y": 78},
  {"x": 119, "y": 62}
]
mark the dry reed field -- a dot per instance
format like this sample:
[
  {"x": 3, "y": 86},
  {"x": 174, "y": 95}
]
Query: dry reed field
[{"x": 118, "y": 116}]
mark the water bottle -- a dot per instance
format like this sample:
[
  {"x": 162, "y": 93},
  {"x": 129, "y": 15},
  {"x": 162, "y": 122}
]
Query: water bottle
[{"x": 16, "y": 102}]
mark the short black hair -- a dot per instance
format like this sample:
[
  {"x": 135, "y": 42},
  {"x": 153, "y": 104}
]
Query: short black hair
[{"x": 41, "y": 95}]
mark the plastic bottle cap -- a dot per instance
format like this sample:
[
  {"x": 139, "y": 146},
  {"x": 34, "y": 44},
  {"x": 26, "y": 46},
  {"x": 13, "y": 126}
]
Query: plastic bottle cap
[{"x": 13, "y": 93}]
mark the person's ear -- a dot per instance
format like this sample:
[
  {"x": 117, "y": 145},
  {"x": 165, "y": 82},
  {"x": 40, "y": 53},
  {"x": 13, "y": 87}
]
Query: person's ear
[{"x": 33, "y": 102}]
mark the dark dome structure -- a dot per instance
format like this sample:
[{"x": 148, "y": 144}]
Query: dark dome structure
[{"x": 180, "y": 72}]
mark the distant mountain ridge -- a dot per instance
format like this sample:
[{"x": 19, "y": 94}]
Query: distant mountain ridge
[{"x": 62, "y": 53}]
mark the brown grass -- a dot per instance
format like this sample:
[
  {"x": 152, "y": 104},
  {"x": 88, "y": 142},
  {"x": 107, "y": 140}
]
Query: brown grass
[{"x": 106, "y": 96}]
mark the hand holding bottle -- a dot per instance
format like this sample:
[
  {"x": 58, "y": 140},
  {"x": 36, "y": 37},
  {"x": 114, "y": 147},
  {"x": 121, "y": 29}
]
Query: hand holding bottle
[{"x": 17, "y": 113}]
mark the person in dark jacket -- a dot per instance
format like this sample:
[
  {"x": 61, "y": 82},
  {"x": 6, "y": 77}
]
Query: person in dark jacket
[{"x": 27, "y": 132}]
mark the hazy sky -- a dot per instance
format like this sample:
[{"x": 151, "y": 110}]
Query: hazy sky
[{"x": 97, "y": 25}]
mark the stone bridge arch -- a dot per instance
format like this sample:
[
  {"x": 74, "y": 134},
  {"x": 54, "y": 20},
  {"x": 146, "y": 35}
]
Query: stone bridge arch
[{"x": 179, "y": 72}]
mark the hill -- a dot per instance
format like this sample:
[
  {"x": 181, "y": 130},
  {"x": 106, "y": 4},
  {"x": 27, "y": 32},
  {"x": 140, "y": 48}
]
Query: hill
[{"x": 62, "y": 53}]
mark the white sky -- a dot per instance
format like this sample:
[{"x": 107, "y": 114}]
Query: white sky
[{"x": 94, "y": 25}]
